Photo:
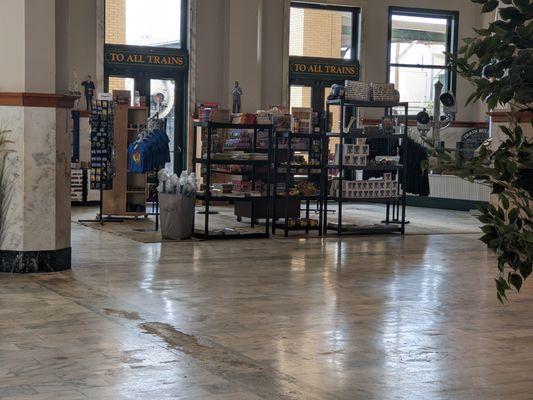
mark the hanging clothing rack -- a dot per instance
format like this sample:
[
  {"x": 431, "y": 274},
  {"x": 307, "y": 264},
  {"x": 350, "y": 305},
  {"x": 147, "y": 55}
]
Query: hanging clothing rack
[{"x": 153, "y": 123}]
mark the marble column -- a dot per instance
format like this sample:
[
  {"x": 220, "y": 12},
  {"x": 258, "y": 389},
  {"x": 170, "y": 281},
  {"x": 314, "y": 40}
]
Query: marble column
[{"x": 36, "y": 232}]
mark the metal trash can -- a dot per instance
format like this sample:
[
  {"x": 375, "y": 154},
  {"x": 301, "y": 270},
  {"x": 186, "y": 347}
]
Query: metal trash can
[{"x": 177, "y": 216}]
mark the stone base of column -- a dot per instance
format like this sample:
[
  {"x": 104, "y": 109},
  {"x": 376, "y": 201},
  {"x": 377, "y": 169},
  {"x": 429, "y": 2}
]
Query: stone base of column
[
  {"x": 36, "y": 234},
  {"x": 25, "y": 262}
]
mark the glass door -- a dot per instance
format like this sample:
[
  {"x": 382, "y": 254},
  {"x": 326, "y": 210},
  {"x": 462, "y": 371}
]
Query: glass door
[
  {"x": 163, "y": 102},
  {"x": 163, "y": 96}
]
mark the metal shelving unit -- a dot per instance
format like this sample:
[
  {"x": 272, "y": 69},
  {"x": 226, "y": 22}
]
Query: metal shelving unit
[
  {"x": 290, "y": 170},
  {"x": 389, "y": 225},
  {"x": 208, "y": 161}
]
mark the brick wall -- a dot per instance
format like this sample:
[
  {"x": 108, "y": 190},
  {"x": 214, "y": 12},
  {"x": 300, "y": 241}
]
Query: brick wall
[
  {"x": 314, "y": 33},
  {"x": 115, "y": 33},
  {"x": 115, "y": 21},
  {"x": 322, "y": 33}
]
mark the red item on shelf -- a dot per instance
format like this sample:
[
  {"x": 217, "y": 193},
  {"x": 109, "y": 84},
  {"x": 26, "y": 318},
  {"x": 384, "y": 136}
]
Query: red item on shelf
[{"x": 249, "y": 119}]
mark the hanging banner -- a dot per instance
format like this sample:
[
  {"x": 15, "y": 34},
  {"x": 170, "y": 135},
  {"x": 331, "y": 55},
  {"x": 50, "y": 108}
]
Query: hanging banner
[
  {"x": 323, "y": 68},
  {"x": 129, "y": 56}
]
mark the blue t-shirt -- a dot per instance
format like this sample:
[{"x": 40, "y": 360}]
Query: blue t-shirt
[
  {"x": 149, "y": 154},
  {"x": 137, "y": 156}
]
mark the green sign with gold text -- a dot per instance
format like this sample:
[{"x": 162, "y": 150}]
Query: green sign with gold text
[
  {"x": 323, "y": 68},
  {"x": 117, "y": 55}
]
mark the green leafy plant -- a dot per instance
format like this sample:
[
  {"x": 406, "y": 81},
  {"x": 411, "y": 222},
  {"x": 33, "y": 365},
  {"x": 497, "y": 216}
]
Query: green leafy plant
[
  {"x": 4, "y": 181},
  {"x": 499, "y": 63}
]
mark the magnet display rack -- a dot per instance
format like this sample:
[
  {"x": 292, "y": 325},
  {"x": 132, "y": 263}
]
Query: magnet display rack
[
  {"x": 208, "y": 162},
  {"x": 290, "y": 172},
  {"x": 397, "y": 203},
  {"x": 102, "y": 144}
]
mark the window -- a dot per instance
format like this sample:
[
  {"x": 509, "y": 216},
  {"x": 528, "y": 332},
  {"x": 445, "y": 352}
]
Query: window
[
  {"x": 151, "y": 27},
  {"x": 154, "y": 23},
  {"x": 300, "y": 96},
  {"x": 418, "y": 41},
  {"x": 121, "y": 83},
  {"x": 322, "y": 31}
]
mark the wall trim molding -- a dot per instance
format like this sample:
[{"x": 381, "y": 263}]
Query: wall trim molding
[
  {"x": 23, "y": 99},
  {"x": 505, "y": 116},
  {"x": 455, "y": 124},
  {"x": 443, "y": 204}
]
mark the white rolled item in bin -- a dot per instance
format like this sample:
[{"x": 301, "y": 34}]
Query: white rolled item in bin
[{"x": 177, "y": 198}]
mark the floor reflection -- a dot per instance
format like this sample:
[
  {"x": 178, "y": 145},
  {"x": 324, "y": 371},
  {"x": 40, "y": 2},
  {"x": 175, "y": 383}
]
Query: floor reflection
[{"x": 358, "y": 318}]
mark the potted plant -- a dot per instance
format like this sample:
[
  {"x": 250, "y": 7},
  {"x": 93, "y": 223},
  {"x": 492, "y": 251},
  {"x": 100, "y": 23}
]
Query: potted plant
[{"x": 499, "y": 63}]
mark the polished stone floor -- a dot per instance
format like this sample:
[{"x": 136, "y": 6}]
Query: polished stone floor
[
  {"x": 422, "y": 221},
  {"x": 358, "y": 318}
]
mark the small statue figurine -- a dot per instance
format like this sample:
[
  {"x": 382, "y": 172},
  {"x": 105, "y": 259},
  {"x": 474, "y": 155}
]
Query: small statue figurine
[
  {"x": 237, "y": 93},
  {"x": 88, "y": 84}
]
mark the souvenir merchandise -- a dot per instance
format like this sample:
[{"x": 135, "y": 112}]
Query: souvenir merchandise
[
  {"x": 388, "y": 125},
  {"x": 351, "y": 127},
  {"x": 281, "y": 122},
  {"x": 88, "y": 89},
  {"x": 387, "y": 160},
  {"x": 102, "y": 154},
  {"x": 383, "y": 92},
  {"x": 358, "y": 91},
  {"x": 302, "y": 223},
  {"x": 417, "y": 181},
  {"x": 220, "y": 115},
  {"x": 150, "y": 152},
  {"x": 186, "y": 184},
  {"x": 337, "y": 92},
  {"x": 244, "y": 119},
  {"x": 263, "y": 117},
  {"x": 353, "y": 154},
  {"x": 302, "y": 120},
  {"x": 241, "y": 185},
  {"x": 177, "y": 197},
  {"x": 236, "y": 95},
  {"x": 204, "y": 110},
  {"x": 239, "y": 156},
  {"x": 366, "y": 189},
  {"x": 122, "y": 97},
  {"x": 305, "y": 189}
]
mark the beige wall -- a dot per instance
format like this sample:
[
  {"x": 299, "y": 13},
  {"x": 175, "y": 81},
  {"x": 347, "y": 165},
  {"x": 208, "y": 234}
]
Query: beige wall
[
  {"x": 27, "y": 45},
  {"x": 40, "y": 46},
  {"x": 374, "y": 40},
  {"x": 214, "y": 71},
  {"x": 275, "y": 70},
  {"x": 76, "y": 55},
  {"x": 12, "y": 74},
  {"x": 210, "y": 51},
  {"x": 374, "y": 13},
  {"x": 244, "y": 36}
]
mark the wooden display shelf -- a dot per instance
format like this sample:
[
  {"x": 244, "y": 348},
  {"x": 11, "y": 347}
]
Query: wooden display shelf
[{"x": 115, "y": 200}]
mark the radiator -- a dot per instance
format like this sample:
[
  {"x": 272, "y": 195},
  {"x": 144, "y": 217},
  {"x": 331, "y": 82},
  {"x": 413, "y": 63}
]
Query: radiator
[{"x": 453, "y": 187}]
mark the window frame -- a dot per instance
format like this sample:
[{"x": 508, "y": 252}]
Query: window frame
[
  {"x": 452, "y": 30},
  {"x": 318, "y": 85},
  {"x": 184, "y": 29},
  {"x": 355, "y": 11},
  {"x": 142, "y": 75}
]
